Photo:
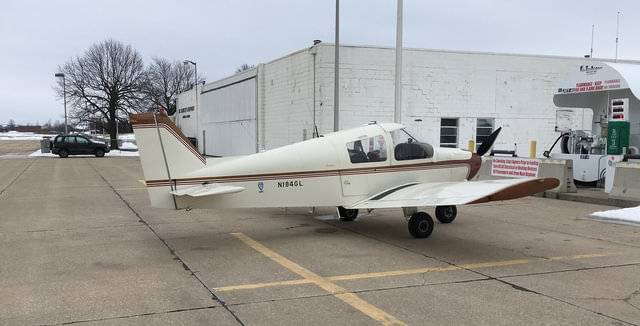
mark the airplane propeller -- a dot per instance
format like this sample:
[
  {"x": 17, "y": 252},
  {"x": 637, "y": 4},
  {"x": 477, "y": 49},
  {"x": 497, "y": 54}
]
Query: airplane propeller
[{"x": 487, "y": 143}]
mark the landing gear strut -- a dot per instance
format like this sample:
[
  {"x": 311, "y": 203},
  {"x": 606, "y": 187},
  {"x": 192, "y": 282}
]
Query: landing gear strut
[
  {"x": 446, "y": 214},
  {"x": 347, "y": 215}
]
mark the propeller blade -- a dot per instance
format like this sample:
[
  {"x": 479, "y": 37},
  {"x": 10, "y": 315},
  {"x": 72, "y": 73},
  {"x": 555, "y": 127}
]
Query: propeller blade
[{"x": 486, "y": 145}]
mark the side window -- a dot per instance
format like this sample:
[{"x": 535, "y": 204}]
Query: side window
[
  {"x": 70, "y": 139},
  {"x": 449, "y": 132},
  {"x": 82, "y": 140},
  {"x": 58, "y": 139},
  {"x": 367, "y": 150}
]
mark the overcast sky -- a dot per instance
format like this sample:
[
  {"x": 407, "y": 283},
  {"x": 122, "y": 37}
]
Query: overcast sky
[{"x": 37, "y": 36}]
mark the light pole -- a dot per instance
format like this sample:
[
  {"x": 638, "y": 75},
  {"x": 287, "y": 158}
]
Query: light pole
[
  {"x": 397, "y": 112},
  {"x": 336, "y": 73},
  {"x": 64, "y": 95},
  {"x": 197, "y": 109}
]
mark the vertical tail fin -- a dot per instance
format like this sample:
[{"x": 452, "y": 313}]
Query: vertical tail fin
[{"x": 165, "y": 153}]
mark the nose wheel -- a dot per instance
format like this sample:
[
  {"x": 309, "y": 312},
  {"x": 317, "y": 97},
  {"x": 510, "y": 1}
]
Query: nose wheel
[
  {"x": 347, "y": 215},
  {"x": 421, "y": 225}
]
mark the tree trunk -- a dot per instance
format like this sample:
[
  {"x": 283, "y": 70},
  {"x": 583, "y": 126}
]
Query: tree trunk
[{"x": 112, "y": 129}]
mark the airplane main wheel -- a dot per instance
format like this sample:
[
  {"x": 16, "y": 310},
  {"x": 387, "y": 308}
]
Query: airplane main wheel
[
  {"x": 347, "y": 215},
  {"x": 421, "y": 225},
  {"x": 446, "y": 214}
]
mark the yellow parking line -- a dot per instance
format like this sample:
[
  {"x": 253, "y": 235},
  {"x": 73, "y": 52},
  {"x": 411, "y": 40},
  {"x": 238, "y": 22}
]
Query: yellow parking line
[
  {"x": 393, "y": 273},
  {"x": 579, "y": 256},
  {"x": 336, "y": 290},
  {"x": 261, "y": 285},
  {"x": 350, "y": 277}
]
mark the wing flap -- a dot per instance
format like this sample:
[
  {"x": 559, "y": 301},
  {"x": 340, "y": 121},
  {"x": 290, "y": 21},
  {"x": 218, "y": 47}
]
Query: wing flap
[
  {"x": 457, "y": 193},
  {"x": 210, "y": 189}
]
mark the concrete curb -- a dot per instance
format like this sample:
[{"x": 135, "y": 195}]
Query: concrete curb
[{"x": 584, "y": 198}]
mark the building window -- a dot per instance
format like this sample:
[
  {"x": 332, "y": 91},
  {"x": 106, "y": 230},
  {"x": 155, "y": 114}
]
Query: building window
[
  {"x": 449, "y": 132},
  {"x": 484, "y": 128}
]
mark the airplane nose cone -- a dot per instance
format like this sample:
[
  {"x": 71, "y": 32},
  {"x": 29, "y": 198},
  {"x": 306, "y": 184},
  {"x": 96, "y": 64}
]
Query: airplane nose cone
[{"x": 475, "y": 164}]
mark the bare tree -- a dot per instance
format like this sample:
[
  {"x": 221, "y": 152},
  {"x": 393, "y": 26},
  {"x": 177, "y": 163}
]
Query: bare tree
[
  {"x": 244, "y": 67},
  {"x": 166, "y": 80},
  {"x": 11, "y": 124},
  {"x": 107, "y": 80}
]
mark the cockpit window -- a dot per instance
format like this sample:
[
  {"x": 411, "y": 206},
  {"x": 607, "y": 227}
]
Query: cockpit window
[
  {"x": 367, "y": 150},
  {"x": 407, "y": 147}
]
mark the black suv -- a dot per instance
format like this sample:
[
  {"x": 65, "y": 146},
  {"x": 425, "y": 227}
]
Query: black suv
[{"x": 65, "y": 145}]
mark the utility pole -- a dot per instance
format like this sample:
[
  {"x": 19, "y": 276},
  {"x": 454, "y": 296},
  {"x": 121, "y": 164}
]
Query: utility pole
[
  {"x": 397, "y": 113},
  {"x": 593, "y": 27},
  {"x": 64, "y": 95},
  {"x": 197, "y": 109},
  {"x": 336, "y": 73}
]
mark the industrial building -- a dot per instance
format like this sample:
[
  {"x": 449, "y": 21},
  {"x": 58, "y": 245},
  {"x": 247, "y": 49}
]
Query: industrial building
[{"x": 448, "y": 98}]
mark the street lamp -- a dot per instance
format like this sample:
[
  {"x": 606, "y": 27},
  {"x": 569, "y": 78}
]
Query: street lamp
[
  {"x": 197, "y": 109},
  {"x": 64, "y": 95}
]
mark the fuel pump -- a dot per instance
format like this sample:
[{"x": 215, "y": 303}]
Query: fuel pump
[{"x": 618, "y": 130}]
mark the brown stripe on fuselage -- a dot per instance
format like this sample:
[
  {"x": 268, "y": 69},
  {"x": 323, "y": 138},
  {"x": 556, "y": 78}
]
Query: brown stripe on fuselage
[{"x": 471, "y": 164}]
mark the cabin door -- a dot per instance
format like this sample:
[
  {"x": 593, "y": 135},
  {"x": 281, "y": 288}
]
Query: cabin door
[{"x": 354, "y": 184}]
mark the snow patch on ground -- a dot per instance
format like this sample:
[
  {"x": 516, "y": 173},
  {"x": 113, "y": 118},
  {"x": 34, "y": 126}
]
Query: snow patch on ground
[
  {"x": 631, "y": 214},
  {"x": 15, "y": 135},
  {"x": 127, "y": 146},
  {"x": 38, "y": 153}
]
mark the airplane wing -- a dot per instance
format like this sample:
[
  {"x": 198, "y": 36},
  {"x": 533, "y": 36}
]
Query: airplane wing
[
  {"x": 207, "y": 190},
  {"x": 456, "y": 193}
]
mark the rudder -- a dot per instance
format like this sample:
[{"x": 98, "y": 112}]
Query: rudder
[{"x": 165, "y": 154}]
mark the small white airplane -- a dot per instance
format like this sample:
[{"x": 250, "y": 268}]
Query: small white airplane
[{"x": 374, "y": 166}]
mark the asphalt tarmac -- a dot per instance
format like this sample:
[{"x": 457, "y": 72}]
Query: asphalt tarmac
[{"x": 79, "y": 244}]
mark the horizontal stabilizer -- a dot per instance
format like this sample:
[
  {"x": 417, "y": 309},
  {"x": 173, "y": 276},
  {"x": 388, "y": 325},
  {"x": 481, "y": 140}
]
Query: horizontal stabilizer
[
  {"x": 210, "y": 189},
  {"x": 456, "y": 193}
]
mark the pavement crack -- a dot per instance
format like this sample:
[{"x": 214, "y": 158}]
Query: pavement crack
[
  {"x": 527, "y": 290},
  {"x": 18, "y": 176},
  {"x": 488, "y": 277},
  {"x": 166, "y": 244},
  {"x": 73, "y": 229},
  {"x": 567, "y": 233},
  {"x": 570, "y": 270},
  {"x": 282, "y": 299},
  {"x": 133, "y": 316},
  {"x": 630, "y": 297}
]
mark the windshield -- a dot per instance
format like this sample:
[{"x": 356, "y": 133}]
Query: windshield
[
  {"x": 406, "y": 147},
  {"x": 403, "y": 136}
]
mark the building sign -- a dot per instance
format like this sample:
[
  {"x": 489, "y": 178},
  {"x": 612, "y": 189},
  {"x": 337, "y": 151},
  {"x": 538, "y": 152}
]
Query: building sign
[
  {"x": 592, "y": 78},
  {"x": 591, "y": 86},
  {"x": 187, "y": 109},
  {"x": 513, "y": 167}
]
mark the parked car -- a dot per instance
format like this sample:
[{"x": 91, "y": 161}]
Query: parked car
[{"x": 65, "y": 145}]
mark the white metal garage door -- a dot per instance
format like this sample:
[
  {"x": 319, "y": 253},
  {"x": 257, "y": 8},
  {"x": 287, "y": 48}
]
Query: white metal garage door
[{"x": 229, "y": 118}]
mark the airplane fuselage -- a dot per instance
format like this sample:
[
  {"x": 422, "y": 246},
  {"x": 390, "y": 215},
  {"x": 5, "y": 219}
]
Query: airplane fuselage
[{"x": 339, "y": 169}]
